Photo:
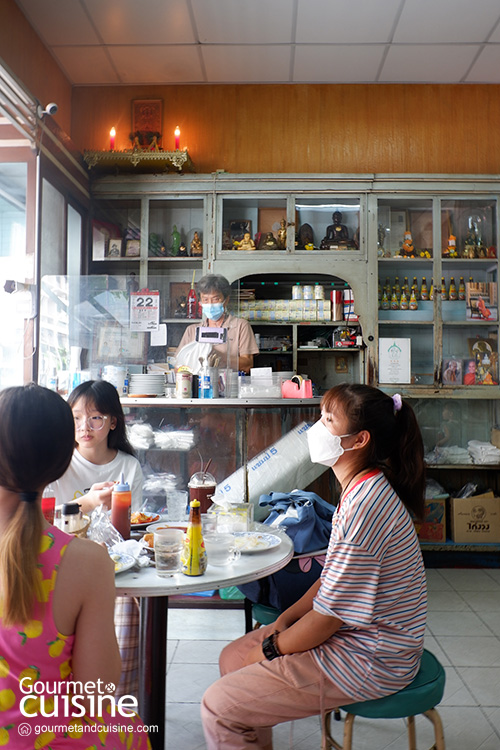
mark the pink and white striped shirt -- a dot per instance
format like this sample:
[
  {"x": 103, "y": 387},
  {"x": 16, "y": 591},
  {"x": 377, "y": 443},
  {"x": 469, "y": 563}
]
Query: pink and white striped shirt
[{"x": 374, "y": 581}]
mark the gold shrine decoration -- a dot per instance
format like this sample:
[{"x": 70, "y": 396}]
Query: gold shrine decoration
[{"x": 138, "y": 161}]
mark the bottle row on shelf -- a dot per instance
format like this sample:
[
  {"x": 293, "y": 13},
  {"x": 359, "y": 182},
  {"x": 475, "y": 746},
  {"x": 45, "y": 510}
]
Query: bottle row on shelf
[{"x": 397, "y": 296}]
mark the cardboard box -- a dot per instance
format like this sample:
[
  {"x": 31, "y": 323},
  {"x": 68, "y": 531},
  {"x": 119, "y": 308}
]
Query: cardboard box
[
  {"x": 433, "y": 527},
  {"x": 475, "y": 519}
]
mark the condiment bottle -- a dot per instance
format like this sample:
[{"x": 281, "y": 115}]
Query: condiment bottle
[
  {"x": 121, "y": 503},
  {"x": 194, "y": 556},
  {"x": 444, "y": 291},
  {"x": 404, "y": 299},
  {"x": 461, "y": 289},
  {"x": 424, "y": 293},
  {"x": 394, "y": 299},
  {"x": 413, "y": 298},
  {"x": 192, "y": 302},
  {"x": 453, "y": 294},
  {"x": 71, "y": 518}
]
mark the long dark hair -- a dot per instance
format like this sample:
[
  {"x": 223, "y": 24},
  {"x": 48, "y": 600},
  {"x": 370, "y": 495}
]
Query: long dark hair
[
  {"x": 104, "y": 397},
  {"x": 37, "y": 434},
  {"x": 396, "y": 445}
]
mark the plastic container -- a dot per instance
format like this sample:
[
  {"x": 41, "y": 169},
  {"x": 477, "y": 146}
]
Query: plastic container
[
  {"x": 202, "y": 487},
  {"x": 121, "y": 503},
  {"x": 71, "y": 517},
  {"x": 48, "y": 504}
]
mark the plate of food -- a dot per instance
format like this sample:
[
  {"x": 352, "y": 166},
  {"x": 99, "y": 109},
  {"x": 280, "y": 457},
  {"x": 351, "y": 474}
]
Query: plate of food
[
  {"x": 139, "y": 520},
  {"x": 122, "y": 562},
  {"x": 255, "y": 541}
]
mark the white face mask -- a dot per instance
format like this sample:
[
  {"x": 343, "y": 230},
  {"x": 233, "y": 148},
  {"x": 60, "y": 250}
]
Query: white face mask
[{"x": 325, "y": 448}]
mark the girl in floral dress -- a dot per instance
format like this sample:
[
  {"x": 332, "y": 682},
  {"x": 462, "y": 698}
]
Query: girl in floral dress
[{"x": 59, "y": 660}]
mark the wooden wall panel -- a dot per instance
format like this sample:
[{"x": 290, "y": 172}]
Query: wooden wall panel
[
  {"x": 310, "y": 128},
  {"x": 26, "y": 56}
]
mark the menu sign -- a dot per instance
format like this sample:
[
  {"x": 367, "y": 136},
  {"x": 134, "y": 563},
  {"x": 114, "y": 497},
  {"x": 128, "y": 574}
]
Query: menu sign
[
  {"x": 144, "y": 310},
  {"x": 394, "y": 360}
]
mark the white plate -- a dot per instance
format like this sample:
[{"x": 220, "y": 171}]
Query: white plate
[
  {"x": 153, "y": 518},
  {"x": 165, "y": 524},
  {"x": 122, "y": 562},
  {"x": 255, "y": 541}
]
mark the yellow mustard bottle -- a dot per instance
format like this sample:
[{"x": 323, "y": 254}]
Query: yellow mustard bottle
[{"x": 194, "y": 556}]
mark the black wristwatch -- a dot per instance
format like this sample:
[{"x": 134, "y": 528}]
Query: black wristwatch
[{"x": 269, "y": 647}]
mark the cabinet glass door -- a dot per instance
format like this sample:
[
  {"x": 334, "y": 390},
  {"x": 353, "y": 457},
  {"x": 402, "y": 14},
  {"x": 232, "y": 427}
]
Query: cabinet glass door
[
  {"x": 253, "y": 224},
  {"x": 176, "y": 228},
  {"x": 405, "y": 289},
  {"x": 116, "y": 231},
  {"x": 469, "y": 292},
  {"x": 327, "y": 223}
]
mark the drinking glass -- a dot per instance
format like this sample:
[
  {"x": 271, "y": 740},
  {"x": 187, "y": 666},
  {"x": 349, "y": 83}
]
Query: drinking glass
[
  {"x": 168, "y": 548},
  {"x": 221, "y": 549},
  {"x": 177, "y": 505}
]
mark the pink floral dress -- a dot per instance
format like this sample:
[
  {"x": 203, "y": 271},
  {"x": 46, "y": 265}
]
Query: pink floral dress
[{"x": 35, "y": 667}]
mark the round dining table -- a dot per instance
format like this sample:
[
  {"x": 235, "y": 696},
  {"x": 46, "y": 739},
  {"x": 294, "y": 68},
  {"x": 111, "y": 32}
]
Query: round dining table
[{"x": 153, "y": 592}]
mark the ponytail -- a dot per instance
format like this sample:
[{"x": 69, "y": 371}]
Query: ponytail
[
  {"x": 405, "y": 468},
  {"x": 20, "y": 581},
  {"x": 396, "y": 446},
  {"x": 37, "y": 436}
]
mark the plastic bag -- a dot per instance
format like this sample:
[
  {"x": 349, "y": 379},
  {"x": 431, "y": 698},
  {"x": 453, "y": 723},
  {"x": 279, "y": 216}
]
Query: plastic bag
[
  {"x": 189, "y": 356},
  {"x": 101, "y": 530}
]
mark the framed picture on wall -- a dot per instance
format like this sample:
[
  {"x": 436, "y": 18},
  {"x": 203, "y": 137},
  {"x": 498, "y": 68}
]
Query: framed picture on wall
[
  {"x": 147, "y": 117},
  {"x": 116, "y": 344}
]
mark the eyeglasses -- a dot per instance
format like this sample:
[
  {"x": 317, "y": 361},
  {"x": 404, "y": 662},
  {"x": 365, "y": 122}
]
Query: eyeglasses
[{"x": 94, "y": 423}]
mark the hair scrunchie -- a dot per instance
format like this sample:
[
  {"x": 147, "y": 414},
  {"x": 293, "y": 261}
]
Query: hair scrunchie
[
  {"x": 398, "y": 403},
  {"x": 28, "y": 496}
]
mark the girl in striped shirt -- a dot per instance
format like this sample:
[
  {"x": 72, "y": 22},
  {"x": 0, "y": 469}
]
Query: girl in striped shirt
[{"x": 358, "y": 632}]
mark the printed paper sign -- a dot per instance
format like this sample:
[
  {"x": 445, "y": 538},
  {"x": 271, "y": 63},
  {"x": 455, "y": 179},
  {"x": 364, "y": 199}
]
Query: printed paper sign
[{"x": 144, "y": 311}]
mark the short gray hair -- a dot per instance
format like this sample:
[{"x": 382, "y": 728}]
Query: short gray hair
[{"x": 212, "y": 283}]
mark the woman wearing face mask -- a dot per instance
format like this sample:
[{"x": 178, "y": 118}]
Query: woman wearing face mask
[
  {"x": 214, "y": 292},
  {"x": 358, "y": 632}
]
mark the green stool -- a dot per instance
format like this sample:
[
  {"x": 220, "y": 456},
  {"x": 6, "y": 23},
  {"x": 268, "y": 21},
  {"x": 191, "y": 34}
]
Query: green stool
[
  {"x": 264, "y": 614},
  {"x": 419, "y": 697}
]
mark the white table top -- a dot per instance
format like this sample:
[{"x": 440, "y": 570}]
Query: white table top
[{"x": 249, "y": 567}]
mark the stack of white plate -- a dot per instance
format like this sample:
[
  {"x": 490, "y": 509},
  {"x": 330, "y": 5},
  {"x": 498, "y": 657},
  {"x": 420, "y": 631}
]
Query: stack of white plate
[{"x": 152, "y": 384}]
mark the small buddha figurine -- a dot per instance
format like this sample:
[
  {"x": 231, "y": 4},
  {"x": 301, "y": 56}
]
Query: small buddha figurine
[
  {"x": 282, "y": 235},
  {"x": 183, "y": 251},
  {"x": 246, "y": 243},
  {"x": 196, "y": 247},
  {"x": 176, "y": 241},
  {"x": 336, "y": 233},
  {"x": 269, "y": 242}
]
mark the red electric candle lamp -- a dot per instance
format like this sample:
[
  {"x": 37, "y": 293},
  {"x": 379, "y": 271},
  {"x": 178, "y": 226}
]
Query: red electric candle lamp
[
  {"x": 112, "y": 136},
  {"x": 177, "y": 134}
]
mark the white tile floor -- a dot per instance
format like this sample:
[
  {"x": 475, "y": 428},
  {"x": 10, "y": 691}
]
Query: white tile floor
[{"x": 463, "y": 631}]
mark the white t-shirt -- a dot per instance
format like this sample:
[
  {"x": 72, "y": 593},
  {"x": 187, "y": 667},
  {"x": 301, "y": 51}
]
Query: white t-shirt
[{"x": 82, "y": 474}]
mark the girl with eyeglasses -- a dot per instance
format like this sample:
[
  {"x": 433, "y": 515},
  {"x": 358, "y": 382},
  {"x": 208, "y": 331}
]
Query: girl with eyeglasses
[
  {"x": 101, "y": 454},
  {"x": 56, "y": 596},
  {"x": 102, "y": 449}
]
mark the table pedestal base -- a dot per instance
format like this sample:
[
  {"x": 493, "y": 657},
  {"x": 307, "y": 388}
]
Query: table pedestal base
[{"x": 152, "y": 661}]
